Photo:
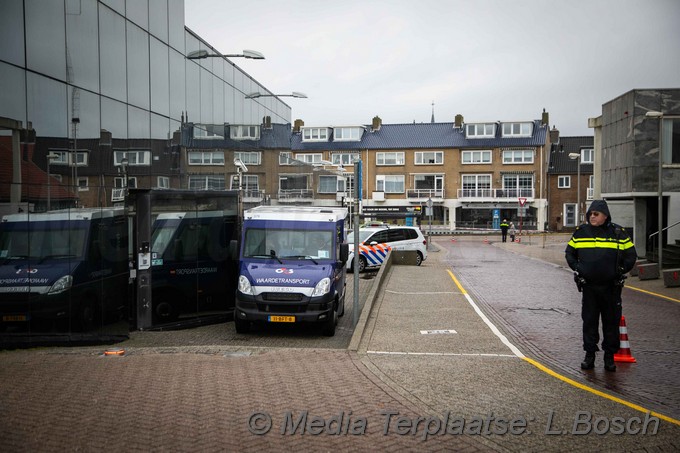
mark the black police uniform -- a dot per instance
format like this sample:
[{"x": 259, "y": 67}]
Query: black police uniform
[
  {"x": 504, "y": 230},
  {"x": 600, "y": 256}
]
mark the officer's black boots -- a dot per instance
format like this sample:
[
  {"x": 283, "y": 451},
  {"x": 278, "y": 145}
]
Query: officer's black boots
[
  {"x": 589, "y": 362},
  {"x": 609, "y": 362}
]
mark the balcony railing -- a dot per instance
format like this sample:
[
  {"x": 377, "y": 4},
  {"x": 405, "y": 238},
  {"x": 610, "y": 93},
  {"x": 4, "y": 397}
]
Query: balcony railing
[
  {"x": 424, "y": 194},
  {"x": 296, "y": 195},
  {"x": 118, "y": 194},
  {"x": 253, "y": 196},
  {"x": 495, "y": 194}
]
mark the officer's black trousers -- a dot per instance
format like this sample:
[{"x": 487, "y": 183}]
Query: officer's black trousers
[{"x": 601, "y": 302}]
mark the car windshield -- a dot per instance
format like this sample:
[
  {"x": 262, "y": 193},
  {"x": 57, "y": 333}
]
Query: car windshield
[{"x": 363, "y": 235}]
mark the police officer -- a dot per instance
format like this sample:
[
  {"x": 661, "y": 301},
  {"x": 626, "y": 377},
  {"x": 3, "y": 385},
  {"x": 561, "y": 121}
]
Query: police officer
[
  {"x": 504, "y": 229},
  {"x": 600, "y": 253}
]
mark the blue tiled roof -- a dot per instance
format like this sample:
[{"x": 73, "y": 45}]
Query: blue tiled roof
[
  {"x": 278, "y": 137},
  {"x": 420, "y": 136}
]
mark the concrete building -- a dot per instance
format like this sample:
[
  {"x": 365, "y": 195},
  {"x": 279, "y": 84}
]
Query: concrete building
[
  {"x": 103, "y": 87},
  {"x": 629, "y": 173}
]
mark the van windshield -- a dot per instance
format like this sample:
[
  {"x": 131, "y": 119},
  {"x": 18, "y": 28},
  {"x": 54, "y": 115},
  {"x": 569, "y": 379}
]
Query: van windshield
[
  {"x": 284, "y": 243},
  {"x": 42, "y": 240}
]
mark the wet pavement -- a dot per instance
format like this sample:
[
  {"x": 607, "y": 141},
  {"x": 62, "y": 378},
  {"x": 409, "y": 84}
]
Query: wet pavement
[{"x": 425, "y": 349}]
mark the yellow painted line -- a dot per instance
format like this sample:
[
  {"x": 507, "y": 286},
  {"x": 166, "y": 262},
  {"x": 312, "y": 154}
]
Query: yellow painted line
[
  {"x": 559, "y": 376},
  {"x": 599, "y": 393},
  {"x": 653, "y": 294}
]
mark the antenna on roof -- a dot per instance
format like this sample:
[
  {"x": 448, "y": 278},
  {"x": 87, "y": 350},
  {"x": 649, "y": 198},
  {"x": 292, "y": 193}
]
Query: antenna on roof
[{"x": 432, "y": 120}]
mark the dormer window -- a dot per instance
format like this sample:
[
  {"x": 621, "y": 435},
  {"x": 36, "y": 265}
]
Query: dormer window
[
  {"x": 244, "y": 132},
  {"x": 314, "y": 134},
  {"x": 209, "y": 131},
  {"x": 347, "y": 134},
  {"x": 517, "y": 129},
  {"x": 587, "y": 156},
  {"x": 480, "y": 130}
]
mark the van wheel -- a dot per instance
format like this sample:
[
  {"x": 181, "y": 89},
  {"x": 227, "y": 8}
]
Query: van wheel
[
  {"x": 242, "y": 326},
  {"x": 419, "y": 259},
  {"x": 342, "y": 309},
  {"x": 164, "y": 310},
  {"x": 328, "y": 328},
  {"x": 87, "y": 315}
]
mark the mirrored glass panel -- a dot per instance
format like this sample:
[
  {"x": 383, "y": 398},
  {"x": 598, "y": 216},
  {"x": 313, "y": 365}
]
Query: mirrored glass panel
[
  {"x": 82, "y": 40},
  {"x": 158, "y": 19},
  {"x": 138, "y": 66},
  {"x": 112, "y": 60},
  {"x": 12, "y": 32},
  {"x": 176, "y": 24},
  {"x": 87, "y": 112},
  {"x": 177, "y": 84},
  {"x": 46, "y": 38},
  {"x": 206, "y": 97},
  {"x": 114, "y": 117},
  {"x": 137, "y": 11},
  {"x": 160, "y": 82},
  {"x": 193, "y": 92},
  {"x": 47, "y": 106},
  {"x": 138, "y": 123},
  {"x": 12, "y": 92}
]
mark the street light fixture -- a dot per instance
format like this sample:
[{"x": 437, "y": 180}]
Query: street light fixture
[
  {"x": 200, "y": 54},
  {"x": 659, "y": 115},
  {"x": 294, "y": 94},
  {"x": 578, "y": 183}
]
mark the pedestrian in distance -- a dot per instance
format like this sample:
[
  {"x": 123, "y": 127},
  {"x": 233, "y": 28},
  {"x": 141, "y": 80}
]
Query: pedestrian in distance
[
  {"x": 504, "y": 229},
  {"x": 512, "y": 232},
  {"x": 600, "y": 253}
]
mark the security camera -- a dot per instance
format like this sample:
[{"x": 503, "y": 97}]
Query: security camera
[{"x": 239, "y": 163}]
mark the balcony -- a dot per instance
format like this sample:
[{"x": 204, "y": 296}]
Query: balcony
[
  {"x": 506, "y": 195},
  {"x": 296, "y": 196},
  {"x": 253, "y": 196},
  {"x": 422, "y": 195},
  {"x": 118, "y": 194}
]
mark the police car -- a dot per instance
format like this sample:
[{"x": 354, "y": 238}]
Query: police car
[{"x": 375, "y": 242}]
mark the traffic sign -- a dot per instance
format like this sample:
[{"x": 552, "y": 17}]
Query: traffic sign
[{"x": 522, "y": 201}]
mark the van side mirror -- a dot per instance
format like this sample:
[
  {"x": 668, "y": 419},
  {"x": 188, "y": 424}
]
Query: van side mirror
[
  {"x": 233, "y": 249},
  {"x": 344, "y": 252}
]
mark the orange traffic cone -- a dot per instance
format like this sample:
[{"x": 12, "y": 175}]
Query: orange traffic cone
[
  {"x": 486, "y": 240},
  {"x": 624, "y": 354},
  {"x": 453, "y": 239}
]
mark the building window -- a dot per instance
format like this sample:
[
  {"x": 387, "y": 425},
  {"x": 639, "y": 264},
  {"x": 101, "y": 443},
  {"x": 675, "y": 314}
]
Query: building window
[
  {"x": 481, "y": 130},
  {"x": 248, "y": 157},
  {"x": 66, "y": 157},
  {"x": 342, "y": 134},
  {"x": 285, "y": 158},
  {"x": 162, "y": 182},
  {"x": 390, "y": 183},
  {"x": 311, "y": 134},
  {"x": 476, "y": 186},
  {"x": 515, "y": 186},
  {"x": 331, "y": 184},
  {"x": 429, "y": 157},
  {"x": 671, "y": 142},
  {"x": 309, "y": 158},
  {"x": 206, "y": 182},
  {"x": 119, "y": 183},
  {"x": 563, "y": 182},
  {"x": 83, "y": 184},
  {"x": 134, "y": 157},
  {"x": 587, "y": 156},
  {"x": 570, "y": 214},
  {"x": 477, "y": 157},
  {"x": 389, "y": 159},
  {"x": 293, "y": 183},
  {"x": 206, "y": 157},
  {"x": 344, "y": 158},
  {"x": 517, "y": 129},
  {"x": 209, "y": 131},
  {"x": 243, "y": 132},
  {"x": 518, "y": 157}
]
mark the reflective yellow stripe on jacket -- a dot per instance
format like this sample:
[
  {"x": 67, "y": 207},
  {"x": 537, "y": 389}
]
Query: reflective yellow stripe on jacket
[{"x": 601, "y": 243}]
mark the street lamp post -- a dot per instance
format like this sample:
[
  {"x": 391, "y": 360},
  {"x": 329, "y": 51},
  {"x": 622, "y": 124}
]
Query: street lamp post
[
  {"x": 659, "y": 115},
  {"x": 200, "y": 54},
  {"x": 50, "y": 156},
  {"x": 577, "y": 156}
]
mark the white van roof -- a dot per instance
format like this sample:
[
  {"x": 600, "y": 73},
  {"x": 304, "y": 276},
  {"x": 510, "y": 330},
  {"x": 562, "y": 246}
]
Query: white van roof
[
  {"x": 194, "y": 214},
  {"x": 65, "y": 214},
  {"x": 312, "y": 213}
]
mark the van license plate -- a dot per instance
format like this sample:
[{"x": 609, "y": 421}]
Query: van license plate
[
  {"x": 282, "y": 319},
  {"x": 14, "y": 318}
]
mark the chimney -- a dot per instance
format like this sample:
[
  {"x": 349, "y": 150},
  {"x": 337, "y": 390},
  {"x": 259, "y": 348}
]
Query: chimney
[
  {"x": 554, "y": 135},
  {"x": 459, "y": 121},
  {"x": 267, "y": 122},
  {"x": 377, "y": 122},
  {"x": 544, "y": 118},
  {"x": 297, "y": 125}
]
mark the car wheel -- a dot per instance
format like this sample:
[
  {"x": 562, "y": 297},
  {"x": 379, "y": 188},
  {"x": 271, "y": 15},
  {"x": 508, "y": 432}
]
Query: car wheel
[
  {"x": 362, "y": 264},
  {"x": 419, "y": 259},
  {"x": 164, "y": 310},
  {"x": 328, "y": 328},
  {"x": 241, "y": 325},
  {"x": 87, "y": 315}
]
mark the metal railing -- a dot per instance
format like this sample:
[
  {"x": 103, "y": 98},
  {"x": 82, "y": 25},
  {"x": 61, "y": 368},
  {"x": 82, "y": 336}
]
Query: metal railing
[
  {"x": 425, "y": 193},
  {"x": 495, "y": 194},
  {"x": 292, "y": 195}
]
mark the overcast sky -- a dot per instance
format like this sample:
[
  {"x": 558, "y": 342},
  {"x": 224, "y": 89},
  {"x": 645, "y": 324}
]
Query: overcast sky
[{"x": 488, "y": 60}]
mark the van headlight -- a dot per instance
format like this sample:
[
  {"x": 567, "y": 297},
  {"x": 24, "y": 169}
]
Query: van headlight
[
  {"x": 322, "y": 287},
  {"x": 61, "y": 285},
  {"x": 244, "y": 285}
]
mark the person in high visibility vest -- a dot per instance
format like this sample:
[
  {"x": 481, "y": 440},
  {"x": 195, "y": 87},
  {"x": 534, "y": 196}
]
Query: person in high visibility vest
[
  {"x": 504, "y": 229},
  {"x": 600, "y": 253}
]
